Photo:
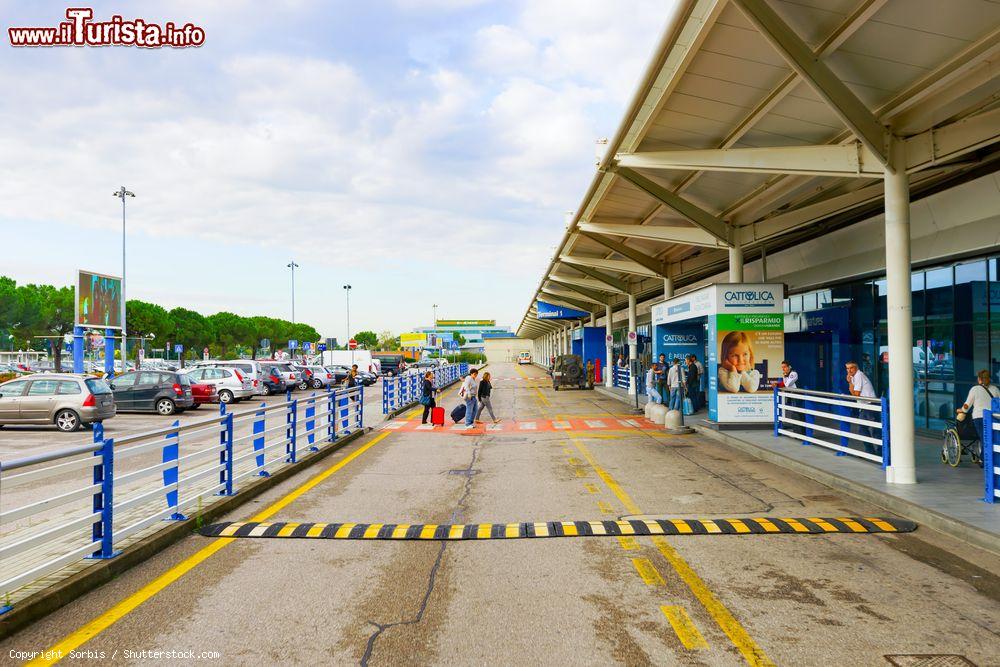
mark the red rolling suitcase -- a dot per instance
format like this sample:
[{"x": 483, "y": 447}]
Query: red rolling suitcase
[{"x": 437, "y": 416}]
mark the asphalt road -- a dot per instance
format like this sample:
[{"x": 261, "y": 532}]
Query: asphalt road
[{"x": 697, "y": 600}]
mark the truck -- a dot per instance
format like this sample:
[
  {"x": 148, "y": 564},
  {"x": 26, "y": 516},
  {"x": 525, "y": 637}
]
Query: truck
[
  {"x": 363, "y": 358},
  {"x": 390, "y": 362}
]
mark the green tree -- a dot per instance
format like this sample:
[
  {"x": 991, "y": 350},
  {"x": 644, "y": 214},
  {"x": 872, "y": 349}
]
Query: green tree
[
  {"x": 367, "y": 340},
  {"x": 30, "y": 315},
  {"x": 57, "y": 308},
  {"x": 192, "y": 330},
  {"x": 148, "y": 319},
  {"x": 387, "y": 341},
  {"x": 230, "y": 330},
  {"x": 460, "y": 339}
]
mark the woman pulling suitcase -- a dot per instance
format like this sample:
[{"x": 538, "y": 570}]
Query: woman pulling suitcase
[{"x": 427, "y": 396}]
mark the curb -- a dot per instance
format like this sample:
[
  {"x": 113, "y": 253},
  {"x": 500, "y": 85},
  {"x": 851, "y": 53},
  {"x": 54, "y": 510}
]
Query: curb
[
  {"x": 905, "y": 508},
  {"x": 54, "y": 597}
]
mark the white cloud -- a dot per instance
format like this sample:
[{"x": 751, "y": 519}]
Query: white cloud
[{"x": 480, "y": 156}]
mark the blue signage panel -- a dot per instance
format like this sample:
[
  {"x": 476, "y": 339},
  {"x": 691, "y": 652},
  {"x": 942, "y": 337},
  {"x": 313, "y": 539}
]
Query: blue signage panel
[
  {"x": 321, "y": 347},
  {"x": 548, "y": 311},
  {"x": 178, "y": 348},
  {"x": 293, "y": 344}
]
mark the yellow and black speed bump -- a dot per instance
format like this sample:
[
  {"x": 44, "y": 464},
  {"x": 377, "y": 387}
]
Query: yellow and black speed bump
[{"x": 494, "y": 531}]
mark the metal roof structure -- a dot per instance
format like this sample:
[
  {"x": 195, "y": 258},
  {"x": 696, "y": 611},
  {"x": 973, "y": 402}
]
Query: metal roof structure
[{"x": 760, "y": 124}]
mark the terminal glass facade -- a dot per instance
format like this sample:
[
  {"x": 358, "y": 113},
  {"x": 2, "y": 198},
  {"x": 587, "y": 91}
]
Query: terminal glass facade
[{"x": 956, "y": 333}]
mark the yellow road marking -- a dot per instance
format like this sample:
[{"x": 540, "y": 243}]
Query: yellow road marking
[
  {"x": 573, "y": 461},
  {"x": 737, "y": 634},
  {"x": 399, "y": 532},
  {"x": 105, "y": 620},
  {"x": 625, "y": 528},
  {"x": 597, "y": 528},
  {"x": 591, "y": 488},
  {"x": 541, "y": 530},
  {"x": 710, "y": 526},
  {"x": 455, "y": 532},
  {"x": 580, "y": 472},
  {"x": 628, "y": 543},
  {"x": 567, "y": 450},
  {"x": 230, "y": 530},
  {"x": 650, "y": 575},
  {"x": 511, "y": 530},
  {"x": 606, "y": 508},
  {"x": 682, "y": 526},
  {"x": 684, "y": 627}
]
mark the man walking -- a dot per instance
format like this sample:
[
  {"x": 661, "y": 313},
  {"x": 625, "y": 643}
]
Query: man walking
[
  {"x": 675, "y": 382},
  {"x": 693, "y": 379},
  {"x": 469, "y": 393},
  {"x": 859, "y": 385}
]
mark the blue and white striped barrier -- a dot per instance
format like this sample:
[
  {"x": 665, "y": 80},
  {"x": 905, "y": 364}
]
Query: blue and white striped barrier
[
  {"x": 401, "y": 391},
  {"x": 991, "y": 453}
]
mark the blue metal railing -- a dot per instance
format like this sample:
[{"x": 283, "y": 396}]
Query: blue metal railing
[
  {"x": 991, "y": 453},
  {"x": 404, "y": 390},
  {"x": 136, "y": 482},
  {"x": 828, "y": 420}
]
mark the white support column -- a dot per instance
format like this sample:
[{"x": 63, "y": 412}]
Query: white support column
[
  {"x": 632, "y": 348},
  {"x": 593, "y": 319},
  {"x": 735, "y": 261},
  {"x": 668, "y": 288},
  {"x": 609, "y": 361},
  {"x": 899, "y": 316}
]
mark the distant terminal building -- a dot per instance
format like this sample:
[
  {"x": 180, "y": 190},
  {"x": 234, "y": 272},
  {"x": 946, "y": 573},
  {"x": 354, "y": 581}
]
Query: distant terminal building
[{"x": 473, "y": 331}]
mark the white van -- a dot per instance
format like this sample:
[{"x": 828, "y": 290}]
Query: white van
[{"x": 363, "y": 358}]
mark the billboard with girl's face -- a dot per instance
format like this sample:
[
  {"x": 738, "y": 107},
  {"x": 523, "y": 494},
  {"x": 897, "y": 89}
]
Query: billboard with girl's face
[
  {"x": 749, "y": 351},
  {"x": 98, "y": 301}
]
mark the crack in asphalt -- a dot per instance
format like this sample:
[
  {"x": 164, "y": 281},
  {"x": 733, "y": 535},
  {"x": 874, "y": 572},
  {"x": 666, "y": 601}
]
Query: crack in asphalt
[{"x": 456, "y": 517}]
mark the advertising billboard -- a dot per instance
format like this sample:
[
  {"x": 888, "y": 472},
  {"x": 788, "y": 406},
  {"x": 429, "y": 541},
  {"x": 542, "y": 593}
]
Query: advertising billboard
[
  {"x": 412, "y": 339},
  {"x": 98, "y": 300},
  {"x": 466, "y": 323}
]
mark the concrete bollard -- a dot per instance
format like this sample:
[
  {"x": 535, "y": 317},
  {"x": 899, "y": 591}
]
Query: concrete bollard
[
  {"x": 656, "y": 412},
  {"x": 672, "y": 419}
]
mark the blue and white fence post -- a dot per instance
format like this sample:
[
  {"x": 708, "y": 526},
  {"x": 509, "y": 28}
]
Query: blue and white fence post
[
  {"x": 991, "y": 443},
  {"x": 331, "y": 414},
  {"x": 171, "y": 475},
  {"x": 777, "y": 415},
  {"x": 311, "y": 423},
  {"x": 104, "y": 499},
  {"x": 361, "y": 406},
  {"x": 886, "y": 449},
  {"x": 291, "y": 421},
  {"x": 258, "y": 441},
  {"x": 226, "y": 455}
]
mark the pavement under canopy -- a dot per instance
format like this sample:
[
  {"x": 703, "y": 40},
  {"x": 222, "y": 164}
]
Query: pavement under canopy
[{"x": 801, "y": 599}]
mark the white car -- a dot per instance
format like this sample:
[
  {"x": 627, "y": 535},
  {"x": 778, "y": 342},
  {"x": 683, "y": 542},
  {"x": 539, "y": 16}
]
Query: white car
[
  {"x": 248, "y": 368},
  {"x": 229, "y": 383}
]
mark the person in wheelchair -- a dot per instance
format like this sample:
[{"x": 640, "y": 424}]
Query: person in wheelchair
[
  {"x": 965, "y": 435},
  {"x": 979, "y": 400}
]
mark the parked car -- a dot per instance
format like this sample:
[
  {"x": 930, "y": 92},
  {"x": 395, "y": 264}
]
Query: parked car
[
  {"x": 202, "y": 392},
  {"x": 339, "y": 373},
  {"x": 271, "y": 381},
  {"x": 68, "y": 401},
  {"x": 317, "y": 377},
  {"x": 249, "y": 368},
  {"x": 230, "y": 384},
  {"x": 366, "y": 378},
  {"x": 152, "y": 391},
  {"x": 288, "y": 372}
]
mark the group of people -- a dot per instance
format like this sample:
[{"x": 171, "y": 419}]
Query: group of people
[
  {"x": 475, "y": 393},
  {"x": 676, "y": 380}
]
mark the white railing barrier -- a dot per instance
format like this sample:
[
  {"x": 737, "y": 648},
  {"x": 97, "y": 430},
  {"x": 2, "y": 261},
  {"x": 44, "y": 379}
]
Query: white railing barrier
[
  {"x": 808, "y": 416},
  {"x": 134, "y": 482},
  {"x": 402, "y": 391}
]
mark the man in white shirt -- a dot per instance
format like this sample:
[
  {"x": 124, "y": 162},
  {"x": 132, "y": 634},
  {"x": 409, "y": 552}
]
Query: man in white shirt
[
  {"x": 675, "y": 380},
  {"x": 859, "y": 385},
  {"x": 469, "y": 393}
]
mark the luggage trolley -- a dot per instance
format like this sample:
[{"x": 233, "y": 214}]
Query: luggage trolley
[{"x": 961, "y": 437}]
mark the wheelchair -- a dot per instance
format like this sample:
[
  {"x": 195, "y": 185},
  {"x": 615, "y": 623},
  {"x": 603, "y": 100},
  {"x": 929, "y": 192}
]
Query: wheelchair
[{"x": 961, "y": 437}]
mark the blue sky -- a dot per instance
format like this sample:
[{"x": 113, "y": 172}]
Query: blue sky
[{"x": 424, "y": 151}]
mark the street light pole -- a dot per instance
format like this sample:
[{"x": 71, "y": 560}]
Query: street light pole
[
  {"x": 347, "y": 288},
  {"x": 434, "y": 324},
  {"x": 292, "y": 265},
  {"x": 122, "y": 194}
]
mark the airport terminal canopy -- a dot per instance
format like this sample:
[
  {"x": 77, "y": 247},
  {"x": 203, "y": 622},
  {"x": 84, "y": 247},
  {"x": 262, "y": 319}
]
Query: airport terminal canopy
[{"x": 760, "y": 124}]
